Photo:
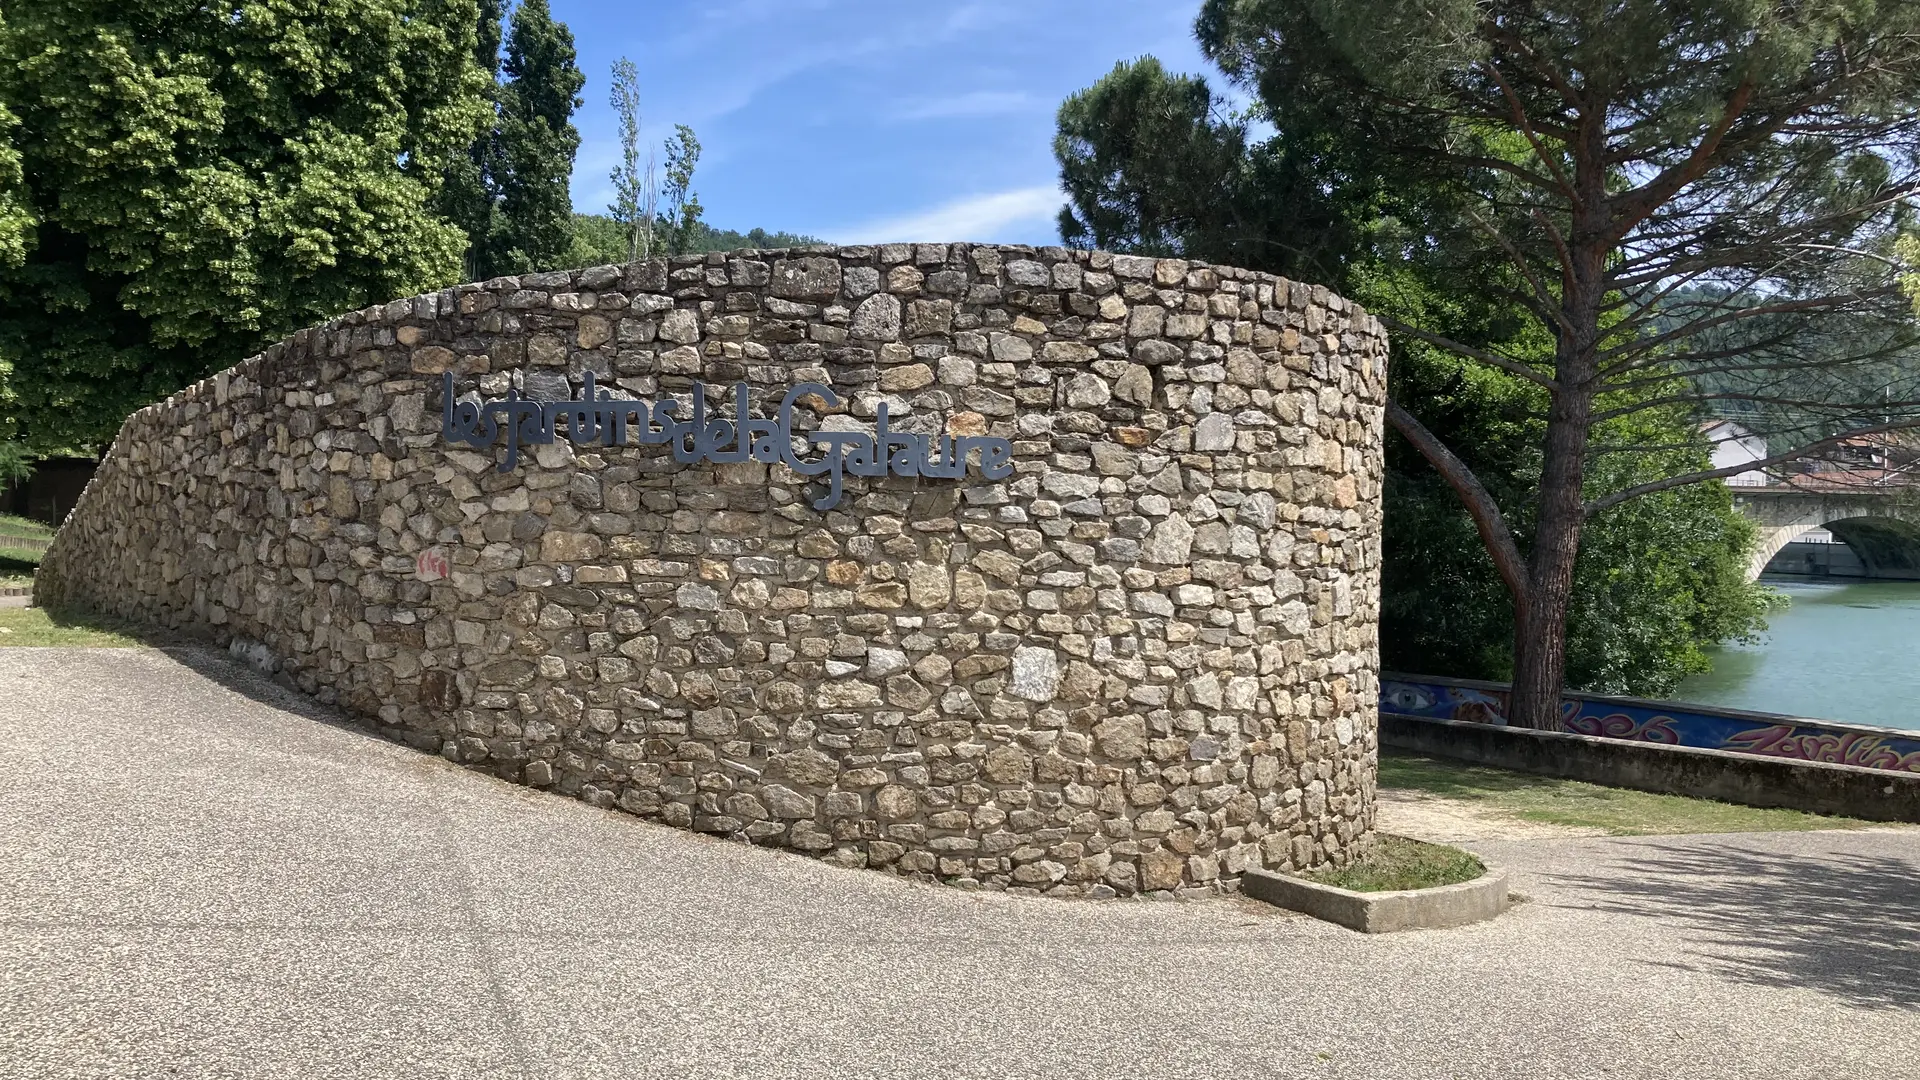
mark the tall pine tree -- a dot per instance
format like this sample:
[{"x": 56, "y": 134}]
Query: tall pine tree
[
  {"x": 207, "y": 178},
  {"x": 536, "y": 143},
  {"x": 470, "y": 198},
  {"x": 1691, "y": 202},
  {"x": 509, "y": 191}
]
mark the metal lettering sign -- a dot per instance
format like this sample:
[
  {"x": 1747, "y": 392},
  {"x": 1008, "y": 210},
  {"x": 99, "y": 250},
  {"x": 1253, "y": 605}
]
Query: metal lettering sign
[{"x": 599, "y": 417}]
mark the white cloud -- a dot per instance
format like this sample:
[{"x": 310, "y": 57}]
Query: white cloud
[
  {"x": 776, "y": 40},
  {"x": 976, "y": 218},
  {"x": 972, "y": 18},
  {"x": 977, "y": 103}
]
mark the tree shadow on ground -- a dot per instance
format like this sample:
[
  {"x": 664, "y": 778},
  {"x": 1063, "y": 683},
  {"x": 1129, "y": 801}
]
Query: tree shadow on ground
[{"x": 1845, "y": 924}]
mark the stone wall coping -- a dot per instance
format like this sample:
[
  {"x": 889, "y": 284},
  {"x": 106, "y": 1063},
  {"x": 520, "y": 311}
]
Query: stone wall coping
[
  {"x": 1658, "y": 704},
  {"x": 1815, "y": 787}
]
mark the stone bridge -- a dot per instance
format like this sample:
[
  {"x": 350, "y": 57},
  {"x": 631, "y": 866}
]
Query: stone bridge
[{"x": 1881, "y": 527}]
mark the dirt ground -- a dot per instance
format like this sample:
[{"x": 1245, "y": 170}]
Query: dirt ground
[{"x": 1438, "y": 819}]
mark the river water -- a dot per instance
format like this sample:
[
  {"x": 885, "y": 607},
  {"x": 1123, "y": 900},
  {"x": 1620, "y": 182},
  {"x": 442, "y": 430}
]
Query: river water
[{"x": 1844, "y": 651}]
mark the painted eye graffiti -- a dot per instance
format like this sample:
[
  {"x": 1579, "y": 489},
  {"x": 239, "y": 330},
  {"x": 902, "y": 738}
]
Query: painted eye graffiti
[{"x": 1399, "y": 697}]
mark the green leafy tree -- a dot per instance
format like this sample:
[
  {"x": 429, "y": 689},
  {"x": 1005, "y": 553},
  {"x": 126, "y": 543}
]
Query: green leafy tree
[
  {"x": 15, "y": 219},
  {"x": 537, "y": 142},
  {"x": 207, "y": 179},
  {"x": 509, "y": 192},
  {"x": 15, "y": 224},
  {"x": 16, "y": 464},
  {"x": 470, "y": 196},
  {"x": 600, "y": 240},
  {"x": 1148, "y": 160},
  {"x": 1585, "y": 161},
  {"x": 637, "y": 194},
  {"x": 633, "y": 189},
  {"x": 680, "y": 219},
  {"x": 1156, "y": 161}
]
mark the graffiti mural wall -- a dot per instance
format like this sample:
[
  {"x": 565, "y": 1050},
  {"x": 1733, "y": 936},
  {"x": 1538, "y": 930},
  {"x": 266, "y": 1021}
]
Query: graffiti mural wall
[{"x": 1673, "y": 723}]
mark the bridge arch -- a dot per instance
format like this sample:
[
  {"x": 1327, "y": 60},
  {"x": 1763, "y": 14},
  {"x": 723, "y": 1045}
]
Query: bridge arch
[
  {"x": 1889, "y": 547},
  {"x": 1881, "y": 529}
]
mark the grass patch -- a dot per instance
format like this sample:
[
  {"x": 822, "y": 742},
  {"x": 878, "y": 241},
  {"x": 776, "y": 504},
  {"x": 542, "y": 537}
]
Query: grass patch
[
  {"x": 23, "y": 542},
  {"x": 1399, "y": 863},
  {"x": 1617, "y": 811},
  {"x": 15, "y": 526},
  {"x": 17, "y": 568},
  {"x": 34, "y": 626}
]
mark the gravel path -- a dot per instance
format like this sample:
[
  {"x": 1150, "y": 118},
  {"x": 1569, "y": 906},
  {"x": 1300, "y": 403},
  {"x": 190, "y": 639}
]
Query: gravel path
[{"x": 204, "y": 878}]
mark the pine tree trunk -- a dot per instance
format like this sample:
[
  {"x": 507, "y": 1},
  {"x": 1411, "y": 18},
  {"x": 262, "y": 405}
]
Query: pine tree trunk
[
  {"x": 1540, "y": 635},
  {"x": 1540, "y": 659}
]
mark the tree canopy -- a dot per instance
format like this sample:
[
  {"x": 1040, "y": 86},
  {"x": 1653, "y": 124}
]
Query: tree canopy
[
  {"x": 509, "y": 191},
  {"x": 601, "y": 240},
  {"x": 1154, "y": 160},
  {"x": 469, "y": 193},
  {"x": 204, "y": 179},
  {"x": 1585, "y": 162},
  {"x": 679, "y": 226},
  {"x": 1661, "y": 578},
  {"x": 15, "y": 220},
  {"x": 537, "y": 142}
]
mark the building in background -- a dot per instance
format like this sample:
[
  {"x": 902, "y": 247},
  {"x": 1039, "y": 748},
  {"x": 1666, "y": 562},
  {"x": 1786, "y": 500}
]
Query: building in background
[{"x": 1734, "y": 445}]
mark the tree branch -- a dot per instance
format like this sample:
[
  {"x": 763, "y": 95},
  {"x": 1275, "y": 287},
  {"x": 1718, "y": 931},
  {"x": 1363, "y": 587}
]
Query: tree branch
[
  {"x": 1631, "y": 208},
  {"x": 1729, "y": 313},
  {"x": 1468, "y": 351},
  {"x": 1525, "y": 125},
  {"x": 1486, "y": 513},
  {"x": 1795, "y": 454}
]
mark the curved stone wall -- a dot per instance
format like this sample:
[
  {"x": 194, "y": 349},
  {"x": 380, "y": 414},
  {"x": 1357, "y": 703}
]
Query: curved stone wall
[{"x": 1145, "y": 660}]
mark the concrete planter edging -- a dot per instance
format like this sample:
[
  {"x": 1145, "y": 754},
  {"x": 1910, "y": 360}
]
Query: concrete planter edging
[{"x": 1384, "y": 912}]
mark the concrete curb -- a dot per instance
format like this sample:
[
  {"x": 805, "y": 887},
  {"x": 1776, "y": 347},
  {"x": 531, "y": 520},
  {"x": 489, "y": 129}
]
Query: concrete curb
[{"x": 1384, "y": 912}]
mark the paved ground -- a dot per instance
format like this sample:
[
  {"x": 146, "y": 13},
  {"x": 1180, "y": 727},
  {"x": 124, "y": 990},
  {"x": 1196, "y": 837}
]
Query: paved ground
[{"x": 198, "y": 881}]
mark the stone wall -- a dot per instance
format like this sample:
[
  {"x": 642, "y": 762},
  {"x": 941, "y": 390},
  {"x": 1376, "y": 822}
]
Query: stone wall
[{"x": 1146, "y": 661}]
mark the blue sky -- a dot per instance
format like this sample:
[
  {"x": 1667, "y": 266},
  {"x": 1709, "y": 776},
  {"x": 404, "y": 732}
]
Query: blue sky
[{"x": 864, "y": 120}]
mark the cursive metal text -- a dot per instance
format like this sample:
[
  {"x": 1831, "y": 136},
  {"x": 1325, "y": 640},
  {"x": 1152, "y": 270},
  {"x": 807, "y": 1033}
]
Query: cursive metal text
[{"x": 713, "y": 435}]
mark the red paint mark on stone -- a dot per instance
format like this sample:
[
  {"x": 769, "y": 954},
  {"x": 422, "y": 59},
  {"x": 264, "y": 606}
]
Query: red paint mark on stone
[{"x": 431, "y": 565}]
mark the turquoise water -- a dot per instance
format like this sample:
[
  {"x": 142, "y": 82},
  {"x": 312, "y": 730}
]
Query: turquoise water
[{"x": 1847, "y": 652}]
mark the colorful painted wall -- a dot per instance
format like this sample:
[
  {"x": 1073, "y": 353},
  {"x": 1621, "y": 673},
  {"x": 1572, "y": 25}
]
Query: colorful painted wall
[{"x": 1673, "y": 723}]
